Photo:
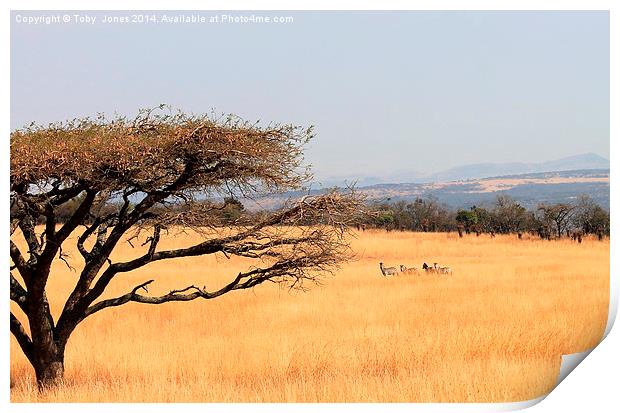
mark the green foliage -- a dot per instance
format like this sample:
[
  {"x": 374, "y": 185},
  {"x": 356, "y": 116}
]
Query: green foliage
[
  {"x": 467, "y": 218},
  {"x": 232, "y": 210},
  {"x": 385, "y": 219}
]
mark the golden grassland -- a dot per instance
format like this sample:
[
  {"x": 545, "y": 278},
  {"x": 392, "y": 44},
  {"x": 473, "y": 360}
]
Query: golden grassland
[{"x": 493, "y": 331}]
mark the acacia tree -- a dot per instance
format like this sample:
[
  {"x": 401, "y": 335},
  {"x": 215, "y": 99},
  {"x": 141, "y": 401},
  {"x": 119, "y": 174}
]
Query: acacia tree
[
  {"x": 590, "y": 217},
  {"x": 509, "y": 214},
  {"x": 145, "y": 167},
  {"x": 468, "y": 219},
  {"x": 558, "y": 215}
]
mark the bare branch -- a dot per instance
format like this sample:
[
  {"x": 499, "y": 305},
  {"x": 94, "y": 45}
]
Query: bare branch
[
  {"x": 77, "y": 217},
  {"x": 101, "y": 225},
  {"x": 50, "y": 224},
  {"x": 18, "y": 293},
  {"x": 292, "y": 269},
  {"x": 55, "y": 196},
  {"x": 19, "y": 261},
  {"x": 22, "y": 338},
  {"x": 325, "y": 242},
  {"x": 54, "y": 244},
  {"x": 26, "y": 224},
  {"x": 90, "y": 229},
  {"x": 62, "y": 256}
]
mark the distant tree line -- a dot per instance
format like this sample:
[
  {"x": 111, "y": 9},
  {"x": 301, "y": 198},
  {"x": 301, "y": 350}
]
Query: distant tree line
[{"x": 505, "y": 216}]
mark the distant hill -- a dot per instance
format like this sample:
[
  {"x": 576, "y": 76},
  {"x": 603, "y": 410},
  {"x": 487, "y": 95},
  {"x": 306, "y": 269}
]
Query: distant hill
[
  {"x": 478, "y": 171},
  {"x": 529, "y": 189},
  {"x": 483, "y": 170}
]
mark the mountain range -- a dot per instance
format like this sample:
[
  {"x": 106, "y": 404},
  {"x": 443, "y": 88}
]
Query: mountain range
[
  {"x": 529, "y": 190},
  {"x": 475, "y": 171},
  {"x": 560, "y": 180}
]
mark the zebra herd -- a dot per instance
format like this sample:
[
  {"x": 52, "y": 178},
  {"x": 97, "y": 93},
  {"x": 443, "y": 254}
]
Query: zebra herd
[{"x": 435, "y": 269}]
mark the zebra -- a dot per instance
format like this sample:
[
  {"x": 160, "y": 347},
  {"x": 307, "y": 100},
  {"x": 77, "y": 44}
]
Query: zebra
[
  {"x": 441, "y": 270},
  {"x": 406, "y": 270},
  {"x": 387, "y": 270},
  {"x": 428, "y": 268},
  {"x": 444, "y": 270}
]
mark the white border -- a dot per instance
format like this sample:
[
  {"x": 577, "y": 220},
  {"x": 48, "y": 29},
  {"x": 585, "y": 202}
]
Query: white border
[{"x": 593, "y": 378}]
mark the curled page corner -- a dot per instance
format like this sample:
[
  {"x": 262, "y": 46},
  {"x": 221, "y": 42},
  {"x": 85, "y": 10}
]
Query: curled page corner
[
  {"x": 569, "y": 362},
  {"x": 515, "y": 406},
  {"x": 613, "y": 307}
]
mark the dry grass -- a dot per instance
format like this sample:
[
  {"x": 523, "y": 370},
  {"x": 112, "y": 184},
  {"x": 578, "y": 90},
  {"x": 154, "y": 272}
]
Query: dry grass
[{"x": 493, "y": 331}]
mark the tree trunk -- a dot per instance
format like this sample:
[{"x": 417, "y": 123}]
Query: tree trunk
[
  {"x": 48, "y": 362},
  {"x": 48, "y": 352},
  {"x": 50, "y": 372}
]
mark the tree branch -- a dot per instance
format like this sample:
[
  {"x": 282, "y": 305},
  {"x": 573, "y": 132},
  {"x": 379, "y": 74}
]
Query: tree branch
[
  {"x": 329, "y": 208},
  {"x": 26, "y": 224},
  {"x": 81, "y": 297},
  {"x": 50, "y": 224},
  {"x": 292, "y": 270},
  {"x": 18, "y": 293},
  {"x": 53, "y": 245},
  {"x": 90, "y": 229},
  {"x": 55, "y": 197},
  {"x": 19, "y": 261},
  {"x": 22, "y": 338},
  {"x": 77, "y": 217},
  {"x": 101, "y": 225}
]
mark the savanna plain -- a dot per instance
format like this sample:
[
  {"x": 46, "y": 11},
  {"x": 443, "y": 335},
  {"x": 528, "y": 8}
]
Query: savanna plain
[{"x": 492, "y": 331}]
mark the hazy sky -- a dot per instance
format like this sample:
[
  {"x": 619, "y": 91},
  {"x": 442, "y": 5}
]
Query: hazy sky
[{"x": 387, "y": 91}]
